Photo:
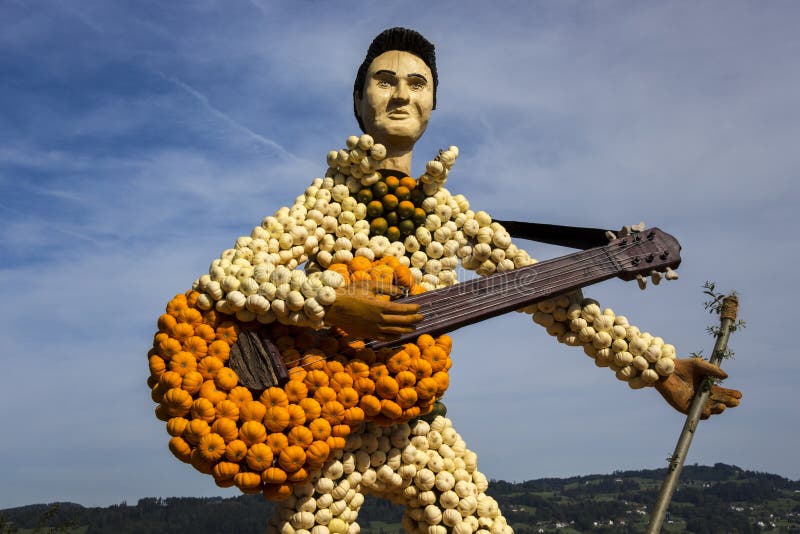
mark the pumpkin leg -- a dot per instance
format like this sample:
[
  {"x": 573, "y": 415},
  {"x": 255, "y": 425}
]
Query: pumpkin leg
[
  {"x": 428, "y": 469},
  {"x": 331, "y": 499}
]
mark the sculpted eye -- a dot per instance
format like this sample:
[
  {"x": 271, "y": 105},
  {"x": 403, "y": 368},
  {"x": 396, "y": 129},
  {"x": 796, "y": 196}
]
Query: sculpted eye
[{"x": 383, "y": 84}]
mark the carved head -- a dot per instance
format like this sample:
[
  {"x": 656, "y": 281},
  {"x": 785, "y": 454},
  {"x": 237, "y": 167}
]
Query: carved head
[{"x": 395, "y": 88}]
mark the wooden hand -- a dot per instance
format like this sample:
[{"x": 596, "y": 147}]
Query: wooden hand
[
  {"x": 361, "y": 312},
  {"x": 679, "y": 388}
]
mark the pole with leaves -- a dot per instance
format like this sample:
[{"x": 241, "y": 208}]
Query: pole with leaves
[{"x": 727, "y": 308}]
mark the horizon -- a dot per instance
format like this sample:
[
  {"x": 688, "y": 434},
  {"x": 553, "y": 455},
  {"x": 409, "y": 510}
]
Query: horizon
[{"x": 491, "y": 481}]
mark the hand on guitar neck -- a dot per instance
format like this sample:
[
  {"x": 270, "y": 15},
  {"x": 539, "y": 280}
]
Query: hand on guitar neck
[
  {"x": 361, "y": 312},
  {"x": 679, "y": 388}
]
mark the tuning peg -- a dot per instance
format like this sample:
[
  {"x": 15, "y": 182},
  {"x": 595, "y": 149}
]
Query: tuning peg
[
  {"x": 638, "y": 227},
  {"x": 656, "y": 277},
  {"x": 611, "y": 236},
  {"x": 642, "y": 281},
  {"x": 670, "y": 274}
]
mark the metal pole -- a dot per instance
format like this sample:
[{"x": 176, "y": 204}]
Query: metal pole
[{"x": 730, "y": 306}]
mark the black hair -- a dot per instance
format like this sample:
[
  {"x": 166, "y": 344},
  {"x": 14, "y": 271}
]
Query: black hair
[{"x": 401, "y": 39}]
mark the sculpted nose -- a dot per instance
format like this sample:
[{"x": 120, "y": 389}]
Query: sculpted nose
[{"x": 401, "y": 92}]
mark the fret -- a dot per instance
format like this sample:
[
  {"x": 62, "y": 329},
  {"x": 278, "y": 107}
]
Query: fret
[{"x": 468, "y": 302}]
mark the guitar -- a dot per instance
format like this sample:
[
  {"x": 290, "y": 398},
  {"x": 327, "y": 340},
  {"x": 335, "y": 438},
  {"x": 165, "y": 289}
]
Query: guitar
[{"x": 259, "y": 365}]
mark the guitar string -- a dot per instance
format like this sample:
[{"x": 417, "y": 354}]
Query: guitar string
[
  {"x": 551, "y": 267},
  {"x": 453, "y": 312},
  {"x": 444, "y": 318},
  {"x": 576, "y": 266}
]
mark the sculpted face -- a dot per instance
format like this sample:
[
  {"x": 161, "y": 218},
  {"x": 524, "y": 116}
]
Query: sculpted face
[{"x": 398, "y": 99}]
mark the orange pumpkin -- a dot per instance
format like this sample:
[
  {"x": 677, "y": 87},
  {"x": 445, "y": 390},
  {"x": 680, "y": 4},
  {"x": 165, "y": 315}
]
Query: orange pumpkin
[
  {"x": 196, "y": 345},
  {"x": 364, "y": 386},
  {"x": 348, "y": 397},
  {"x": 324, "y": 394},
  {"x": 177, "y": 402},
  {"x": 318, "y": 452},
  {"x": 259, "y": 457},
  {"x": 226, "y": 379},
  {"x": 274, "y": 396},
  {"x": 427, "y": 388},
  {"x": 301, "y": 436},
  {"x": 274, "y": 475},
  {"x": 211, "y": 447},
  {"x": 316, "y": 379},
  {"x": 170, "y": 379},
  {"x": 206, "y": 333},
  {"x": 176, "y": 426},
  {"x": 295, "y": 390},
  {"x": 226, "y": 428},
  {"x": 442, "y": 381},
  {"x": 298, "y": 477},
  {"x": 335, "y": 443},
  {"x": 209, "y": 366},
  {"x": 227, "y": 409},
  {"x": 200, "y": 463},
  {"x": 180, "y": 448},
  {"x": 354, "y": 415},
  {"x": 203, "y": 409},
  {"x": 311, "y": 407},
  {"x": 390, "y": 409},
  {"x": 340, "y": 431},
  {"x": 240, "y": 395},
  {"x": 386, "y": 387},
  {"x": 320, "y": 429},
  {"x": 297, "y": 415},
  {"x": 398, "y": 362},
  {"x": 333, "y": 412},
  {"x": 182, "y": 363},
  {"x": 252, "y": 411},
  {"x": 157, "y": 365},
  {"x": 277, "y": 441},
  {"x": 370, "y": 404},
  {"x": 420, "y": 367},
  {"x": 225, "y": 471},
  {"x": 248, "y": 482},
  {"x": 177, "y": 304},
  {"x": 407, "y": 397},
  {"x": 252, "y": 432},
  {"x": 219, "y": 349},
  {"x": 292, "y": 458},
  {"x": 182, "y": 332},
  {"x": 228, "y": 332},
  {"x": 276, "y": 418},
  {"x": 192, "y": 382},
  {"x": 406, "y": 379},
  {"x": 357, "y": 369},
  {"x": 166, "y": 322},
  {"x": 236, "y": 450},
  {"x": 195, "y": 430}
]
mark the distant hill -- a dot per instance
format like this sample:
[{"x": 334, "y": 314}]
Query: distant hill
[{"x": 722, "y": 498}]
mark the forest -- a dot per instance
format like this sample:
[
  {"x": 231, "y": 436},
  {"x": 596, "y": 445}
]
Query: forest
[{"x": 709, "y": 499}]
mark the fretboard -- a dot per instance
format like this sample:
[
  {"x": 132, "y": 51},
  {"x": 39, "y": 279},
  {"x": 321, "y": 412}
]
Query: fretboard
[{"x": 468, "y": 302}]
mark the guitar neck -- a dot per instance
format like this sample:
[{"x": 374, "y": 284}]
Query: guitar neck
[{"x": 468, "y": 302}]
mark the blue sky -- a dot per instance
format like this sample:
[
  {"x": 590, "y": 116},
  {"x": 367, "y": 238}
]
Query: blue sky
[{"x": 138, "y": 140}]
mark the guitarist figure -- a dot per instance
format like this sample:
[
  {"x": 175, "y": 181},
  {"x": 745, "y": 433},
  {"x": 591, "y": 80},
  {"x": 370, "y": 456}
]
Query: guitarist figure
[
  {"x": 423, "y": 464},
  {"x": 393, "y": 96}
]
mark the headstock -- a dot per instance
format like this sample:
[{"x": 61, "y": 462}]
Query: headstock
[{"x": 645, "y": 253}]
